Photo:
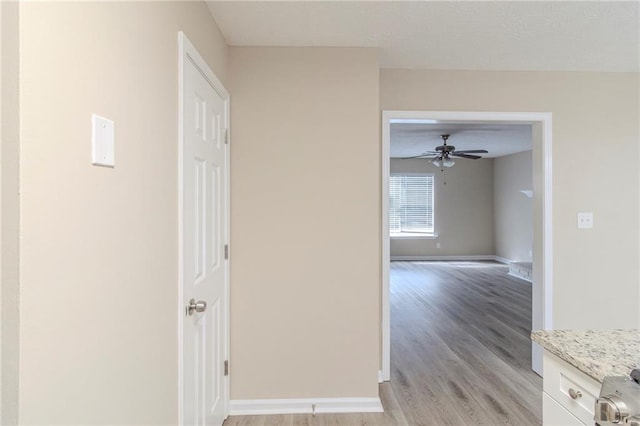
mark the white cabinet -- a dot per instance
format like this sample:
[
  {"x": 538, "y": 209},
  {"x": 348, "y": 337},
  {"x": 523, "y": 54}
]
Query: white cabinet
[
  {"x": 569, "y": 395},
  {"x": 554, "y": 414}
]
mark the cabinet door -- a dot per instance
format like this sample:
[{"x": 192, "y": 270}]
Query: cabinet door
[
  {"x": 560, "y": 379},
  {"x": 554, "y": 414}
]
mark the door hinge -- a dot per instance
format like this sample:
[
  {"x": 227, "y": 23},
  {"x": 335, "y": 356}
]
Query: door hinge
[
  {"x": 226, "y": 368},
  {"x": 226, "y": 252},
  {"x": 226, "y": 135}
]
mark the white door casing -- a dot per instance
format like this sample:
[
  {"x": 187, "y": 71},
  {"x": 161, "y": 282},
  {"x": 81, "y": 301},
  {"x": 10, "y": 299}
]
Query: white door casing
[
  {"x": 204, "y": 233},
  {"x": 542, "y": 294}
]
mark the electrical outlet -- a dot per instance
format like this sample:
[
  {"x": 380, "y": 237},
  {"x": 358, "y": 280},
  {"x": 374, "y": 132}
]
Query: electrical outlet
[
  {"x": 585, "y": 220},
  {"x": 438, "y": 244}
]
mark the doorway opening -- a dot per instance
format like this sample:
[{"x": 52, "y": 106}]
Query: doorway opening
[{"x": 541, "y": 132}]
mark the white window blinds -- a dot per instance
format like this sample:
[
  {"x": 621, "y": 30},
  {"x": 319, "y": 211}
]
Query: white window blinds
[{"x": 411, "y": 204}]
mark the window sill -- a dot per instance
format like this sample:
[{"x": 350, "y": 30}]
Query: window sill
[{"x": 410, "y": 236}]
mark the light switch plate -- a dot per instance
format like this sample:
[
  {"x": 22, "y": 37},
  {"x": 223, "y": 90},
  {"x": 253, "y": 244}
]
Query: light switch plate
[
  {"x": 585, "y": 220},
  {"x": 102, "y": 142}
]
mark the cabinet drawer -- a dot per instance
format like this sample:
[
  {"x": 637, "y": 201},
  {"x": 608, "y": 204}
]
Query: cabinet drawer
[
  {"x": 561, "y": 380},
  {"x": 553, "y": 414}
]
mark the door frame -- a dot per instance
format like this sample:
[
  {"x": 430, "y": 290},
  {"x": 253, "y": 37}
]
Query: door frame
[
  {"x": 544, "y": 318},
  {"x": 188, "y": 53}
]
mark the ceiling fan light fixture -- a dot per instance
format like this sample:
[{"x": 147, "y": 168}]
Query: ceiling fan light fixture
[
  {"x": 436, "y": 162},
  {"x": 448, "y": 162}
]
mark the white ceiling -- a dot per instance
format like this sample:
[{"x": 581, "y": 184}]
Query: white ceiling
[
  {"x": 411, "y": 139},
  {"x": 465, "y": 35}
]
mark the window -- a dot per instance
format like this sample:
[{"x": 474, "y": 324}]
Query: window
[{"x": 411, "y": 205}]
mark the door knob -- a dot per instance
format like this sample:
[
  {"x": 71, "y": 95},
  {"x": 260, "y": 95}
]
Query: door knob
[{"x": 193, "y": 306}]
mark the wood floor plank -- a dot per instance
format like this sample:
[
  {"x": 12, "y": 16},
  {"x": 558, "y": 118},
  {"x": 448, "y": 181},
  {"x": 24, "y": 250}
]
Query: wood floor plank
[
  {"x": 460, "y": 352},
  {"x": 453, "y": 310}
]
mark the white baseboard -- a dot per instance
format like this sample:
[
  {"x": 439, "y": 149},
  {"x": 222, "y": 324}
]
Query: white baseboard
[
  {"x": 502, "y": 260},
  {"x": 240, "y": 407},
  {"x": 521, "y": 278},
  {"x": 380, "y": 376},
  {"x": 471, "y": 257}
]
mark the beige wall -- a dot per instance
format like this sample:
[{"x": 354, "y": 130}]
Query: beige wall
[
  {"x": 513, "y": 210},
  {"x": 305, "y": 206},
  {"x": 99, "y": 245},
  {"x": 589, "y": 110},
  {"x": 9, "y": 212},
  {"x": 463, "y": 210},
  {"x": 305, "y": 122}
]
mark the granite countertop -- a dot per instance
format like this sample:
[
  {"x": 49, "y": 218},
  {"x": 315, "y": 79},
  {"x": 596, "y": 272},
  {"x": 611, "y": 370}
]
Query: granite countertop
[{"x": 596, "y": 353}]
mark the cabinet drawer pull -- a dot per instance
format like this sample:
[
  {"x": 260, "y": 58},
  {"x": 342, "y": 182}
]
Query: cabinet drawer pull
[{"x": 574, "y": 394}]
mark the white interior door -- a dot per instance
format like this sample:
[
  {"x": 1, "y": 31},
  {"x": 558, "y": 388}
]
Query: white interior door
[{"x": 205, "y": 269}]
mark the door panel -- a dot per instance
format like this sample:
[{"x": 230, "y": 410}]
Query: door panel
[{"x": 205, "y": 269}]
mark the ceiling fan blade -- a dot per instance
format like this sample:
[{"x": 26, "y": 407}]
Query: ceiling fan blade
[
  {"x": 424, "y": 154},
  {"x": 418, "y": 156},
  {"x": 473, "y": 151},
  {"x": 473, "y": 157}
]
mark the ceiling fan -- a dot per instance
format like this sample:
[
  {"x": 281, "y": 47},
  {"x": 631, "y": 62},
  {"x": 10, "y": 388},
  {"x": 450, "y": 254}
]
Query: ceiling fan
[{"x": 441, "y": 157}]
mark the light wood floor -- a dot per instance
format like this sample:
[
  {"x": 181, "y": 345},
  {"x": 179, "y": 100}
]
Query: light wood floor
[{"x": 460, "y": 351}]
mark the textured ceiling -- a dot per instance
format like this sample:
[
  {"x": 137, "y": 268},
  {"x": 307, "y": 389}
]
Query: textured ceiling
[
  {"x": 473, "y": 35},
  {"x": 410, "y": 139}
]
